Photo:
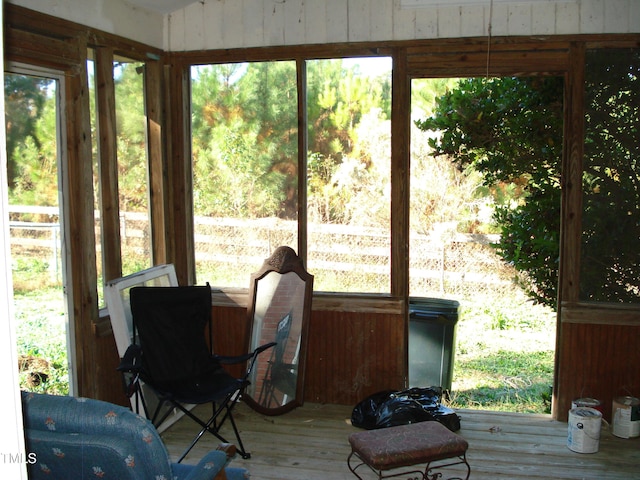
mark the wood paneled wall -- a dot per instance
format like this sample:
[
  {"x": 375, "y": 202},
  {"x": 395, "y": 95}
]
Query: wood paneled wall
[
  {"x": 599, "y": 361},
  {"x": 230, "y": 333},
  {"x": 354, "y": 354},
  {"x": 110, "y": 387},
  {"x": 350, "y": 354},
  {"x": 598, "y": 355}
]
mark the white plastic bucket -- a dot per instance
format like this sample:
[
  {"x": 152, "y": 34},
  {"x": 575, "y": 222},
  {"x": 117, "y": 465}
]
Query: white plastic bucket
[
  {"x": 584, "y": 430},
  {"x": 625, "y": 417}
]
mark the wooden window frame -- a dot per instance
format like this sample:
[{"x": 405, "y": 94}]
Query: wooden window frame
[{"x": 503, "y": 56}]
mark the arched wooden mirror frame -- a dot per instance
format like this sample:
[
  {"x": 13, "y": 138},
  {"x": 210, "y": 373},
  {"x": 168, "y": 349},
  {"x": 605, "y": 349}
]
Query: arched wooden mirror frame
[{"x": 277, "y": 380}]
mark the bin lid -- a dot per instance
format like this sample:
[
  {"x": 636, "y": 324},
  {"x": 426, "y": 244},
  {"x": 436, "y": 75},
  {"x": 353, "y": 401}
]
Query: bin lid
[{"x": 425, "y": 307}]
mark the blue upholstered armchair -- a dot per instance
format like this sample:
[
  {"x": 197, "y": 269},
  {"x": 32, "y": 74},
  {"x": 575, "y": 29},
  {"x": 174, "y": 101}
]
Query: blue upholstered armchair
[{"x": 78, "y": 438}]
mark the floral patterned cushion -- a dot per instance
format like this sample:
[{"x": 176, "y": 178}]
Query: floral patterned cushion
[
  {"x": 79, "y": 438},
  {"x": 407, "y": 445}
]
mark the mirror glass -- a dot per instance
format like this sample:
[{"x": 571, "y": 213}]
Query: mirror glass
[{"x": 279, "y": 314}]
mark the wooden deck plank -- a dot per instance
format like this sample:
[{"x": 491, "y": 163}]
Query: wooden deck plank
[{"x": 311, "y": 443}]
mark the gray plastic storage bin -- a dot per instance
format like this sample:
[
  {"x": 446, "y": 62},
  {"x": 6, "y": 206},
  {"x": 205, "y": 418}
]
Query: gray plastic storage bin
[{"x": 432, "y": 336}]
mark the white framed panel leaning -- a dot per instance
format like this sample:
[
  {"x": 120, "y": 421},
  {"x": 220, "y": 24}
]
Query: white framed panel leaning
[{"x": 118, "y": 304}]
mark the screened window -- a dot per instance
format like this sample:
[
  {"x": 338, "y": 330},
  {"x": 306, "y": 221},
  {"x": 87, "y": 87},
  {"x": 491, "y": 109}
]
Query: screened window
[
  {"x": 91, "y": 74},
  {"x": 610, "y": 264},
  {"x": 38, "y": 227},
  {"x": 245, "y": 167},
  {"x": 349, "y": 174},
  {"x": 123, "y": 243},
  {"x": 132, "y": 165}
]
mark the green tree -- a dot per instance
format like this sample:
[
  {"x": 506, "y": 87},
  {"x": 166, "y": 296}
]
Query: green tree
[
  {"x": 31, "y": 144},
  {"x": 131, "y": 137},
  {"x": 344, "y": 160},
  {"x": 425, "y": 92},
  {"x": 610, "y": 262},
  {"x": 443, "y": 197},
  {"x": 510, "y": 130},
  {"x": 245, "y": 140},
  {"x": 359, "y": 190},
  {"x": 245, "y": 132}
]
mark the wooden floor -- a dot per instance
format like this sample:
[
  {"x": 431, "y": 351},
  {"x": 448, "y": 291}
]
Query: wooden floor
[{"x": 311, "y": 443}]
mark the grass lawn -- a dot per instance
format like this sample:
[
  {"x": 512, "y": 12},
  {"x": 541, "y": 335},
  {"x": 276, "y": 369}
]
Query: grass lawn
[
  {"x": 42, "y": 340},
  {"x": 504, "y": 355}
]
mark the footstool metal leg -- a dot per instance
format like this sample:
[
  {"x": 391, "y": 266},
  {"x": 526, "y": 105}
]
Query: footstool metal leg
[
  {"x": 413, "y": 474},
  {"x": 429, "y": 474},
  {"x": 352, "y": 468},
  {"x": 464, "y": 458}
]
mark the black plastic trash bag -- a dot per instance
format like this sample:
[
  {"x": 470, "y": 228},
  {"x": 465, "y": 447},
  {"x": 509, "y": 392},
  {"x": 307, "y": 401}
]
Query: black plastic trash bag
[
  {"x": 365, "y": 414},
  {"x": 389, "y": 408}
]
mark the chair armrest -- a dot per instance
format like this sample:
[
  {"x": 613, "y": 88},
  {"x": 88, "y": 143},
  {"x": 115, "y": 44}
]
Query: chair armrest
[
  {"x": 229, "y": 449},
  {"x": 235, "y": 473},
  {"x": 255, "y": 353},
  {"x": 208, "y": 468},
  {"x": 264, "y": 347},
  {"x": 230, "y": 452},
  {"x": 132, "y": 359},
  {"x": 212, "y": 465},
  {"x": 229, "y": 359},
  {"x": 233, "y": 359}
]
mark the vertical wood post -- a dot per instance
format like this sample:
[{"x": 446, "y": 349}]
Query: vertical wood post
[
  {"x": 79, "y": 225},
  {"x": 158, "y": 199},
  {"x": 570, "y": 220},
  {"x": 180, "y": 172},
  {"x": 108, "y": 165},
  {"x": 400, "y": 156}
]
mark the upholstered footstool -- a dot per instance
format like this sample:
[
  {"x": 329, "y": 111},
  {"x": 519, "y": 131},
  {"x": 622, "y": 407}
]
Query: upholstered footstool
[{"x": 425, "y": 443}]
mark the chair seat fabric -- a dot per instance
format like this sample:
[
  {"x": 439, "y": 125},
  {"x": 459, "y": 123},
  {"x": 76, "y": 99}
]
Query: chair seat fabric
[
  {"x": 202, "y": 389},
  {"x": 407, "y": 445}
]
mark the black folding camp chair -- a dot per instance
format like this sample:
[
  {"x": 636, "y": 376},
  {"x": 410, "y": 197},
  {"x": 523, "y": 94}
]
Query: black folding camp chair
[{"x": 170, "y": 354}]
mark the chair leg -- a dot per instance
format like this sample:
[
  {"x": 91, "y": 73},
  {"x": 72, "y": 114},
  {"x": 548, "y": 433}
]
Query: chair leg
[
  {"x": 140, "y": 399},
  {"x": 228, "y": 406},
  {"x": 197, "y": 438},
  {"x": 243, "y": 453},
  {"x": 213, "y": 426},
  {"x": 206, "y": 427},
  {"x": 154, "y": 419}
]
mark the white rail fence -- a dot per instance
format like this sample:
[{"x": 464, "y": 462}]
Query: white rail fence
[{"x": 442, "y": 263}]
